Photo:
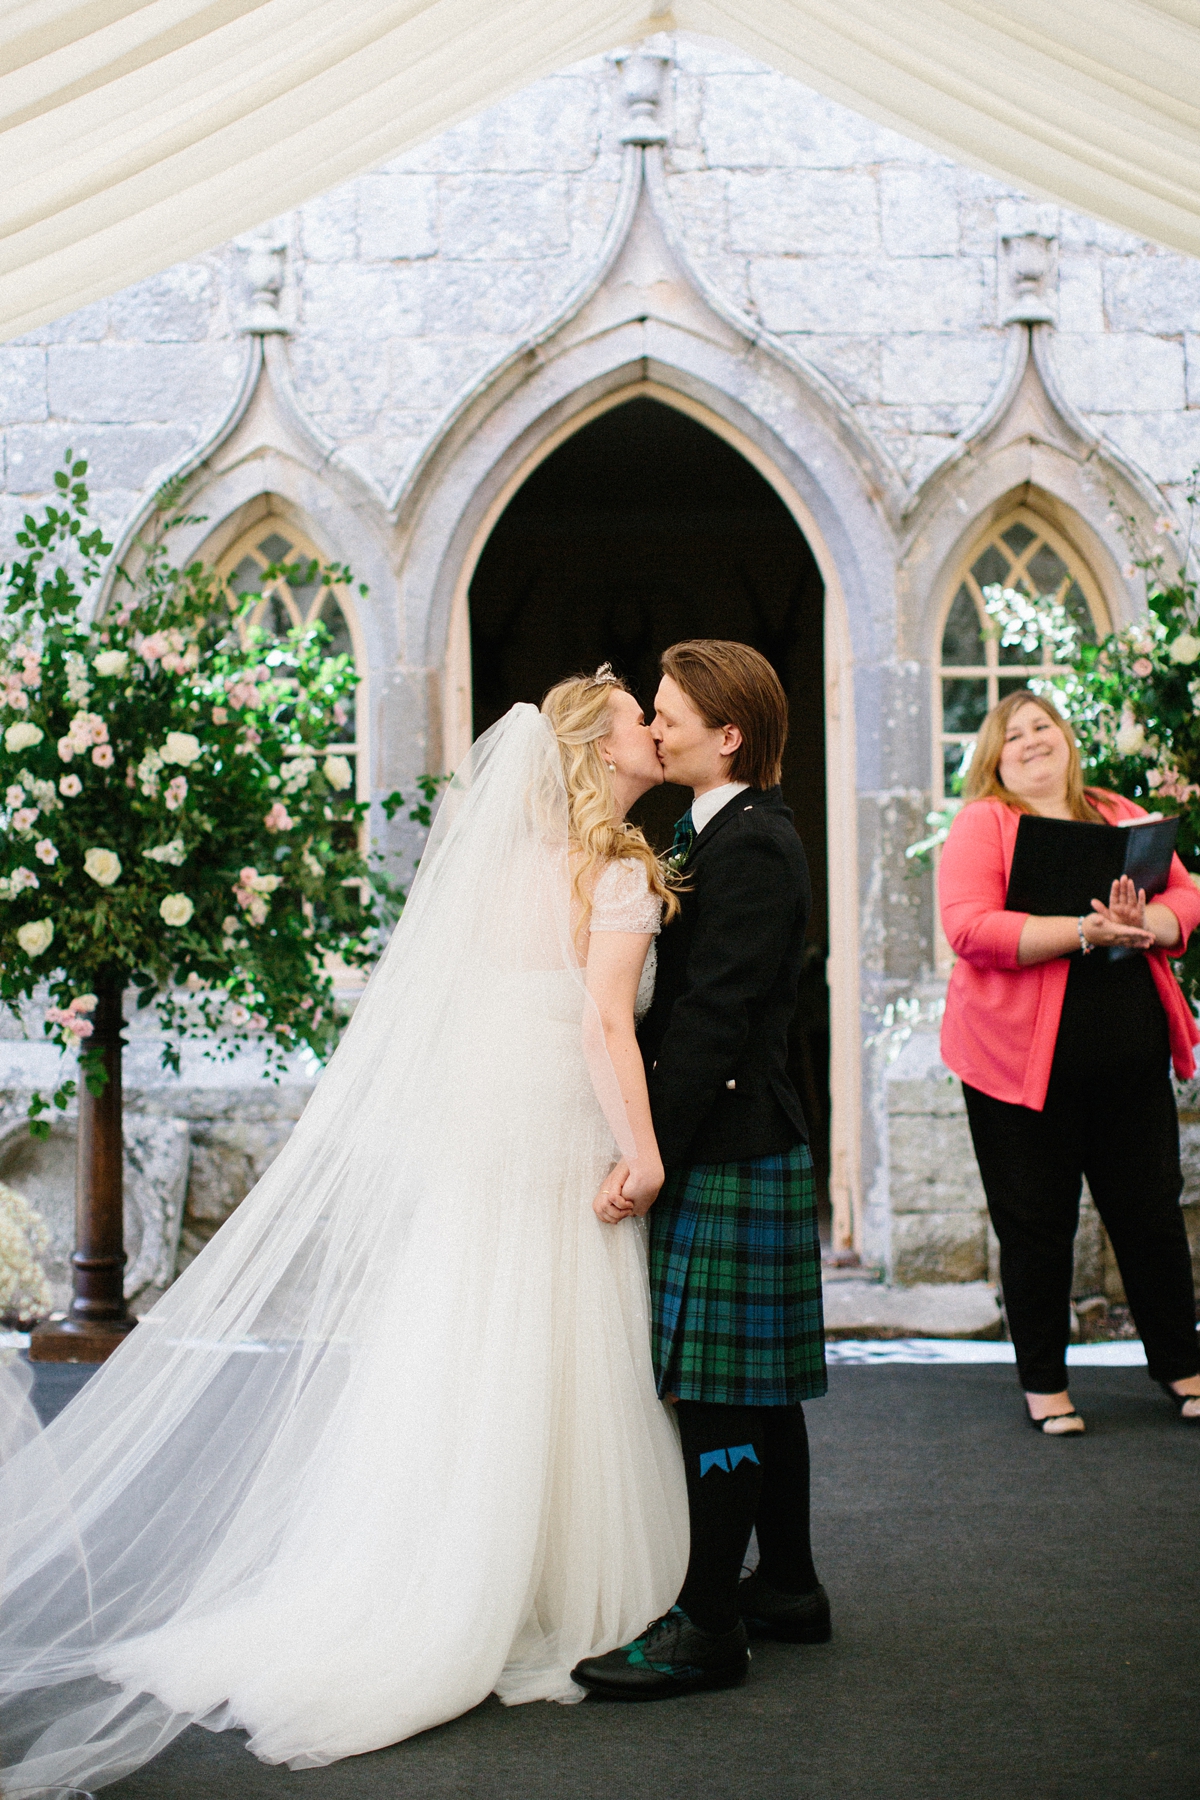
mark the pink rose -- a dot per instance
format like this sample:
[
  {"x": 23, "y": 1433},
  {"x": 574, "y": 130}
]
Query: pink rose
[
  {"x": 1143, "y": 667},
  {"x": 277, "y": 819},
  {"x": 219, "y": 715},
  {"x": 102, "y": 756}
]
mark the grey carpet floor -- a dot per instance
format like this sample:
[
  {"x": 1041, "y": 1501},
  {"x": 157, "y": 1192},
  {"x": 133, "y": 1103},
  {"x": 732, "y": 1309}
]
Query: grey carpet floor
[{"x": 1015, "y": 1618}]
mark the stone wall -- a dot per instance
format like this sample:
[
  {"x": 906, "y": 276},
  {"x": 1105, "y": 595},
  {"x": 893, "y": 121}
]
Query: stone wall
[
  {"x": 195, "y": 1144},
  {"x": 873, "y": 257}
]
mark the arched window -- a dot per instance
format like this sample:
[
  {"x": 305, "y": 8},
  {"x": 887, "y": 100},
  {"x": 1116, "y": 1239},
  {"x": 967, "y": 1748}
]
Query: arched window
[
  {"x": 286, "y": 604},
  {"x": 975, "y": 671}
]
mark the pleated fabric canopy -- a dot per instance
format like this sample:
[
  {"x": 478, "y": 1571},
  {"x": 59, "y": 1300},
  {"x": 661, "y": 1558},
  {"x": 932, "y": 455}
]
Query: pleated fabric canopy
[{"x": 134, "y": 133}]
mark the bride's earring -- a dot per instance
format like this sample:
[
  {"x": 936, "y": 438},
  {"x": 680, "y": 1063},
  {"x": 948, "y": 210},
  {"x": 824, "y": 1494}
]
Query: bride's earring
[{"x": 611, "y": 767}]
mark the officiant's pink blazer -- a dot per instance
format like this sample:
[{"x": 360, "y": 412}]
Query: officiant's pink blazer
[{"x": 1001, "y": 1020}]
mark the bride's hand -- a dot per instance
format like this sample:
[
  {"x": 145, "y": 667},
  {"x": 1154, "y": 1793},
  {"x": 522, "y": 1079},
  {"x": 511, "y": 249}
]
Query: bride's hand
[
  {"x": 610, "y": 1204},
  {"x": 641, "y": 1186}
]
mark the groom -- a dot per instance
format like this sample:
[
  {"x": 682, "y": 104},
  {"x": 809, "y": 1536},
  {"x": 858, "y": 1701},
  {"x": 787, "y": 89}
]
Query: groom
[{"x": 735, "y": 1268}]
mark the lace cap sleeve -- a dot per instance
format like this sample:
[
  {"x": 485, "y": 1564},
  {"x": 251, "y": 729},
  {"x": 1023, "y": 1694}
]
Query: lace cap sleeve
[{"x": 622, "y": 900}]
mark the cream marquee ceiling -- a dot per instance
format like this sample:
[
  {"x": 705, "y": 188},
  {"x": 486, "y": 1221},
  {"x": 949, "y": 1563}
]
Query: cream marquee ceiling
[{"x": 135, "y": 134}]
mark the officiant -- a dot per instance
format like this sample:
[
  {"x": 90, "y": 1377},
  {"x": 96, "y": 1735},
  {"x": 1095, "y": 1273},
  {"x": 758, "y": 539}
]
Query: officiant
[{"x": 1064, "y": 1056}]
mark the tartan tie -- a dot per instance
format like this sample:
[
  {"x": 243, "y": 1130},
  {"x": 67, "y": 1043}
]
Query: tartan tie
[{"x": 681, "y": 843}]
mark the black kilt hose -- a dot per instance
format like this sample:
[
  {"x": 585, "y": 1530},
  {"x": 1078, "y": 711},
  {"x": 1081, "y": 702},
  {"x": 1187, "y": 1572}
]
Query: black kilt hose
[{"x": 735, "y": 1261}]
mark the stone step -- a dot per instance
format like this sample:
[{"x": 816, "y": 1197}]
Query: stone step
[{"x": 869, "y": 1309}]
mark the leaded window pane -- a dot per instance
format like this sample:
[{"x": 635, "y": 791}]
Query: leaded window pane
[
  {"x": 1076, "y": 604},
  {"x": 1046, "y": 572},
  {"x": 1018, "y": 537},
  {"x": 334, "y": 620},
  {"x": 276, "y": 549},
  {"x": 247, "y": 577},
  {"x": 964, "y": 703},
  {"x": 993, "y": 566},
  {"x": 952, "y": 758},
  {"x": 275, "y": 617},
  {"x": 962, "y": 640}
]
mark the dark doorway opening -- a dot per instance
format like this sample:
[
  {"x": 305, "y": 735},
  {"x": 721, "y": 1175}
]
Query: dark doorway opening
[{"x": 641, "y": 529}]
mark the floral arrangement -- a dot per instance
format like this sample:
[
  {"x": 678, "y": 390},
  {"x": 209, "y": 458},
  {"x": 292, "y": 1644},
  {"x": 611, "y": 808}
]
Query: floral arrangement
[
  {"x": 24, "y": 1290},
  {"x": 176, "y": 814}
]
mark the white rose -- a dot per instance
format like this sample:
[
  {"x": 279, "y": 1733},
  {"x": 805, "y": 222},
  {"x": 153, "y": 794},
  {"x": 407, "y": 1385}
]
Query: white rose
[
  {"x": 338, "y": 772},
  {"x": 173, "y": 852},
  {"x": 35, "y": 938},
  {"x": 1131, "y": 739},
  {"x": 22, "y": 736},
  {"x": 111, "y": 662},
  {"x": 1185, "y": 649},
  {"x": 176, "y": 909},
  {"x": 104, "y": 866},
  {"x": 181, "y": 747}
]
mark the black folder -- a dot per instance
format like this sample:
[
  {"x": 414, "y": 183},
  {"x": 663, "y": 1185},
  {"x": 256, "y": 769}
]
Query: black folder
[{"x": 1060, "y": 866}]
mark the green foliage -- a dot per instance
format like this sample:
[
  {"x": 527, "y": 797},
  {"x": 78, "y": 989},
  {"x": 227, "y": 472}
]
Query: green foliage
[
  {"x": 920, "y": 854},
  {"x": 421, "y": 813},
  {"x": 175, "y": 816}
]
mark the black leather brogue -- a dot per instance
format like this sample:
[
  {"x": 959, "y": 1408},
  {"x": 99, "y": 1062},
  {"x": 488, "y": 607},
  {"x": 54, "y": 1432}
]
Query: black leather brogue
[
  {"x": 671, "y": 1657},
  {"x": 794, "y": 1618}
]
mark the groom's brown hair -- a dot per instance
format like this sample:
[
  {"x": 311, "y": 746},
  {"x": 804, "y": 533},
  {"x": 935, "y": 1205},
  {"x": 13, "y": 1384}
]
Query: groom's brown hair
[{"x": 731, "y": 684}]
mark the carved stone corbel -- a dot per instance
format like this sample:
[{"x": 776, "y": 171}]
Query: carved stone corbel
[
  {"x": 1028, "y": 263},
  {"x": 643, "y": 73},
  {"x": 265, "y": 256}
]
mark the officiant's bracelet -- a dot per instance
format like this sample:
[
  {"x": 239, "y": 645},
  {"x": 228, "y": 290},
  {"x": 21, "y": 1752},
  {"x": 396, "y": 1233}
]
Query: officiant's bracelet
[{"x": 1083, "y": 943}]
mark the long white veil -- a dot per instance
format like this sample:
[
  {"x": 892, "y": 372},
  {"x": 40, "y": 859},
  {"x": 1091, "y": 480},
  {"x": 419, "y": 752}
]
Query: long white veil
[{"x": 407, "y": 1373}]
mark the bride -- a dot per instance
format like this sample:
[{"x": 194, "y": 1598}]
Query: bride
[{"x": 392, "y": 1442}]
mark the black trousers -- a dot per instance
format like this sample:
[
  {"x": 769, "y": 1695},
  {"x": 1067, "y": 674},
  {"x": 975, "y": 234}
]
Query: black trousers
[{"x": 1120, "y": 1129}]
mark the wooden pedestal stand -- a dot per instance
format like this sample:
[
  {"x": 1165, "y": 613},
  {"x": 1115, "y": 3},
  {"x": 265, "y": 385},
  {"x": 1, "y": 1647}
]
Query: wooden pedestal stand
[{"x": 99, "y": 1319}]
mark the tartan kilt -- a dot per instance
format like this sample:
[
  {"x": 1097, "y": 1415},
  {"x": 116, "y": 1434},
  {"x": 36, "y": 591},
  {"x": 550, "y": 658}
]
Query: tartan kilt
[{"x": 735, "y": 1282}]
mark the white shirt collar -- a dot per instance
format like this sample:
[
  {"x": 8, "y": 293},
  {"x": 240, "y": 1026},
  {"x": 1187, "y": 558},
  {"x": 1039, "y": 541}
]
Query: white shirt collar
[{"x": 709, "y": 805}]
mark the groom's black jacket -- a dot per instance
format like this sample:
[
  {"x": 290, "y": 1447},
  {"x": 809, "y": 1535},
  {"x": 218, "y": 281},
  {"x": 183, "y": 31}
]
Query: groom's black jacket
[{"x": 715, "y": 1041}]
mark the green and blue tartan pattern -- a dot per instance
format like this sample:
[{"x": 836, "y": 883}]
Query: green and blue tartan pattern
[{"x": 735, "y": 1283}]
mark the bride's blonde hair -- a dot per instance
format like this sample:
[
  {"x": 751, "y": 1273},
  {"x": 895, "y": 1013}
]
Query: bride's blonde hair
[{"x": 580, "y": 716}]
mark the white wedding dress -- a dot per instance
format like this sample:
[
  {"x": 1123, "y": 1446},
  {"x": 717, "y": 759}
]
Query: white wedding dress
[{"x": 392, "y": 1442}]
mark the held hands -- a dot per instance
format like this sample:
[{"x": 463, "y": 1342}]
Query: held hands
[
  {"x": 1122, "y": 921},
  {"x": 628, "y": 1191}
]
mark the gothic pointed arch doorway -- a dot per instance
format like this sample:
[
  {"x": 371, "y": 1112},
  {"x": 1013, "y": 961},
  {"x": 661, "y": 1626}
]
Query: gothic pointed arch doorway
[{"x": 642, "y": 528}]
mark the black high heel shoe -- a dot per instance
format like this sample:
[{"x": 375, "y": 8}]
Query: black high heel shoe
[
  {"x": 1180, "y": 1401},
  {"x": 1068, "y": 1424}
]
